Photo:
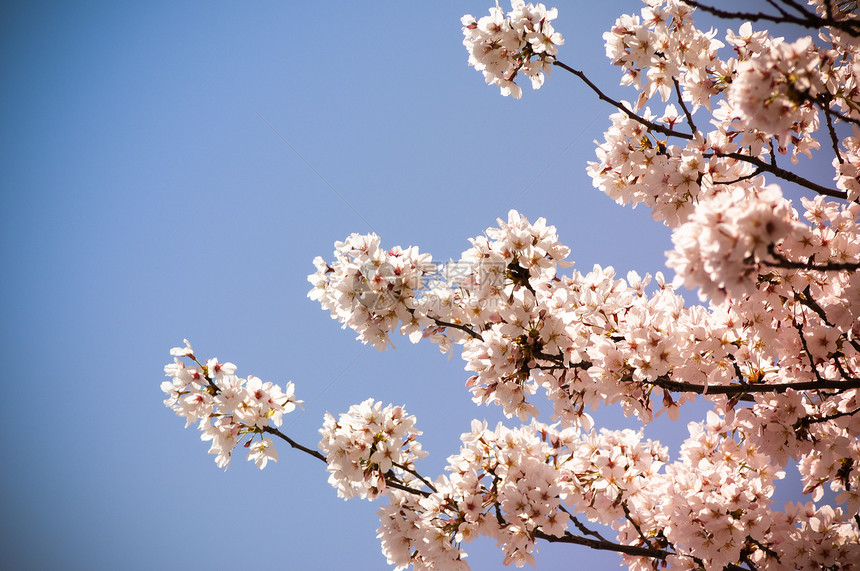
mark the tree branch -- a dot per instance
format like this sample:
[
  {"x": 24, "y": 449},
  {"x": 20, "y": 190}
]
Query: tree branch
[
  {"x": 809, "y": 357},
  {"x": 459, "y": 326},
  {"x": 633, "y": 522},
  {"x": 604, "y": 545},
  {"x": 315, "y": 453},
  {"x": 416, "y": 474},
  {"x": 783, "y": 262},
  {"x": 834, "y": 416},
  {"x": 684, "y": 105},
  {"x": 743, "y": 388},
  {"x": 618, "y": 105},
  {"x": 851, "y": 27},
  {"x": 805, "y": 299},
  {"x": 394, "y": 483},
  {"x": 783, "y": 174},
  {"x": 834, "y": 140}
]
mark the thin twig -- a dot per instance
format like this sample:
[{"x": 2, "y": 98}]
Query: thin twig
[
  {"x": 618, "y": 105},
  {"x": 834, "y": 140},
  {"x": 464, "y": 328},
  {"x": 416, "y": 474},
  {"x": 604, "y": 545},
  {"x": 834, "y": 416},
  {"x": 582, "y": 529},
  {"x": 315, "y": 453},
  {"x": 805, "y": 298},
  {"x": 684, "y": 105},
  {"x": 754, "y": 174},
  {"x": 633, "y": 522},
  {"x": 806, "y": 350}
]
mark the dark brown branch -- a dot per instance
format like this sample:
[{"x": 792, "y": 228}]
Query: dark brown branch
[
  {"x": 805, "y": 299},
  {"x": 841, "y": 116},
  {"x": 834, "y": 140},
  {"x": 754, "y": 174},
  {"x": 809, "y": 357},
  {"x": 783, "y": 262},
  {"x": 315, "y": 453},
  {"x": 783, "y": 174},
  {"x": 791, "y": 3},
  {"x": 461, "y": 327},
  {"x": 764, "y": 548},
  {"x": 842, "y": 370},
  {"x": 618, "y": 105},
  {"x": 684, "y": 105},
  {"x": 213, "y": 388},
  {"x": 834, "y": 416},
  {"x": 582, "y": 529},
  {"x": 390, "y": 480},
  {"x": 762, "y": 166},
  {"x": 812, "y": 20},
  {"x": 633, "y": 522},
  {"x": 604, "y": 545},
  {"x": 416, "y": 474},
  {"x": 749, "y": 388}
]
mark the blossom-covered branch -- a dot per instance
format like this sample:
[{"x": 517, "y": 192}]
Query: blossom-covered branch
[{"x": 773, "y": 350}]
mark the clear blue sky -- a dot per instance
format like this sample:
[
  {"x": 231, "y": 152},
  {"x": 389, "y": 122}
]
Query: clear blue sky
[{"x": 145, "y": 198}]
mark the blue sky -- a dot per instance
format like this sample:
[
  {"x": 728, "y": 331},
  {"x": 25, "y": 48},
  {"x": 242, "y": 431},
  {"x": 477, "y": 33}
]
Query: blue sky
[{"x": 170, "y": 170}]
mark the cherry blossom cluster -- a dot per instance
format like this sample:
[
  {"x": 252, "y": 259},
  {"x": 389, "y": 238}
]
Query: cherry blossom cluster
[
  {"x": 768, "y": 95},
  {"x": 522, "y": 41},
  {"x": 721, "y": 246},
  {"x": 661, "y": 46},
  {"x": 366, "y": 444},
  {"x": 708, "y": 509},
  {"x": 592, "y": 339},
  {"x": 713, "y": 506},
  {"x": 226, "y": 408},
  {"x": 371, "y": 289}
]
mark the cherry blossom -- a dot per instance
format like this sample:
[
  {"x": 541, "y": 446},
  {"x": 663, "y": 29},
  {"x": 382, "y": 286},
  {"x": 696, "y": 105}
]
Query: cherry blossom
[
  {"x": 225, "y": 407},
  {"x": 502, "y": 45}
]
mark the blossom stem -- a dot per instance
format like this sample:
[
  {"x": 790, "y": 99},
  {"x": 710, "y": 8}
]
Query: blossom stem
[{"x": 391, "y": 481}]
